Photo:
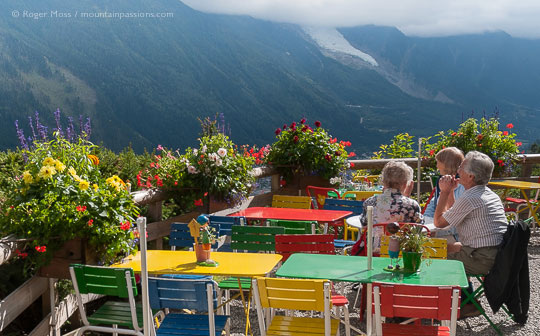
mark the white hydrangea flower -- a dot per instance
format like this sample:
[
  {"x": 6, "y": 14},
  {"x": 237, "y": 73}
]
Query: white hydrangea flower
[{"x": 222, "y": 152}]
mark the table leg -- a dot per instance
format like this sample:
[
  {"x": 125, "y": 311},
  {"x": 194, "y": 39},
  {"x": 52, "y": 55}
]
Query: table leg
[
  {"x": 246, "y": 307},
  {"x": 530, "y": 206}
]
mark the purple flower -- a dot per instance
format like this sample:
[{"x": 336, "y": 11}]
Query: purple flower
[
  {"x": 20, "y": 135},
  {"x": 32, "y": 128},
  {"x": 317, "y": 124},
  {"x": 303, "y": 121},
  {"x": 57, "y": 119}
]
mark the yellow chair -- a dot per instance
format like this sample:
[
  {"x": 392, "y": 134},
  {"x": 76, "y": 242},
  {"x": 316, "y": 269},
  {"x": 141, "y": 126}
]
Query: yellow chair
[
  {"x": 294, "y": 294},
  {"x": 370, "y": 178},
  {"x": 295, "y": 202},
  {"x": 360, "y": 195},
  {"x": 435, "y": 248}
]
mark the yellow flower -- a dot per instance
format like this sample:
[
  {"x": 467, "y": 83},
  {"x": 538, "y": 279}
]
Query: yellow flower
[
  {"x": 83, "y": 185},
  {"x": 27, "y": 177},
  {"x": 115, "y": 182},
  {"x": 59, "y": 166},
  {"x": 95, "y": 186},
  {"x": 46, "y": 172},
  {"x": 72, "y": 171},
  {"x": 48, "y": 161}
]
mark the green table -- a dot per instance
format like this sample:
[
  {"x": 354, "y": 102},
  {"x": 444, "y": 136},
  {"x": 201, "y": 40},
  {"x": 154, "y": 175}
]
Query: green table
[{"x": 434, "y": 272}]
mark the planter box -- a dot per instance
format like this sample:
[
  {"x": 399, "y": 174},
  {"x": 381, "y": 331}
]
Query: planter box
[
  {"x": 297, "y": 186},
  {"x": 74, "y": 251}
]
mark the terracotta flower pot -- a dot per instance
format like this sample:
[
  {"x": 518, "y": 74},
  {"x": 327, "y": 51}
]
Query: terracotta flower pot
[{"x": 201, "y": 253}]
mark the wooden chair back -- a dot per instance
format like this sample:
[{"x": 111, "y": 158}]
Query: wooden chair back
[
  {"x": 226, "y": 223},
  {"x": 113, "y": 282},
  {"x": 294, "y": 202},
  {"x": 255, "y": 238},
  {"x": 427, "y": 302},
  {"x": 294, "y": 294},
  {"x": 182, "y": 294},
  {"x": 186, "y": 294},
  {"x": 295, "y": 227},
  {"x": 356, "y": 207},
  {"x": 319, "y": 195},
  {"x": 360, "y": 195},
  {"x": 287, "y": 244},
  {"x": 435, "y": 248}
]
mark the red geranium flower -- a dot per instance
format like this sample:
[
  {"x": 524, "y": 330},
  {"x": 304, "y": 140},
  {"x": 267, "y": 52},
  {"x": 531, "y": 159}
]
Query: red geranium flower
[
  {"x": 510, "y": 126},
  {"x": 282, "y": 183},
  {"x": 351, "y": 154},
  {"x": 352, "y": 164},
  {"x": 285, "y": 127},
  {"x": 125, "y": 225},
  {"x": 295, "y": 139},
  {"x": 81, "y": 208},
  {"x": 454, "y": 134},
  {"x": 505, "y": 133},
  {"x": 500, "y": 162},
  {"x": 317, "y": 124},
  {"x": 41, "y": 249},
  {"x": 519, "y": 143},
  {"x": 303, "y": 121},
  {"x": 90, "y": 222},
  {"x": 278, "y": 131},
  {"x": 198, "y": 202},
  {"x": 432, "y": 152}
]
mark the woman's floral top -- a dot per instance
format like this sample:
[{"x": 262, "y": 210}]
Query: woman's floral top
[{"x": 392, "y": 206}]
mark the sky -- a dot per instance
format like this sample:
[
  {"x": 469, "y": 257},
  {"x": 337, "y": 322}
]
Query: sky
[{"x": 519, "y": 18}]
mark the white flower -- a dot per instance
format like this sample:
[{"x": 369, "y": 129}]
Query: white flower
[
  {"x": 192, "y": 170},
  {"x": 335, "y": 180},
  {"x": 213, "y": 156},
  {"x": 203, "y": 149},
  {"x": 195, "y": 151},
  {"x": 219, "y": 162},
  {"x": 222, "y": 152}
]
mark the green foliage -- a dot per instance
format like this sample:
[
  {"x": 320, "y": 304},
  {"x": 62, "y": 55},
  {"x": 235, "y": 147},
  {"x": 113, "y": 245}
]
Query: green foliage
[
  {"x": 11, "y": 165},
  {"x": 62, "y": 195},
  {"x": 411, "y": 238},
  {"x": 217, "y": 167},
  {"x": 483, "y": 136},
  {"x": 300, "y": 149}
]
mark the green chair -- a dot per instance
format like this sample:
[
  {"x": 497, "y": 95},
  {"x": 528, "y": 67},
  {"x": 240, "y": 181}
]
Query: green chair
[
  {"x": 118, "y": 282},
  {"x": 248, "y": 239},
  {"x": 295, "y": 227}
]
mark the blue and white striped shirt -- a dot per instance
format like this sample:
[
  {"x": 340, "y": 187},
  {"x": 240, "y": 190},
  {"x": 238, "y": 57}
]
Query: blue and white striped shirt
[{"x": 479, "y": 218}]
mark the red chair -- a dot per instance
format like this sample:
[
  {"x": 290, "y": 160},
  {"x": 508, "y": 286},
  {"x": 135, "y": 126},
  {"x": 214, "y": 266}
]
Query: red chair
[
  {"x": 319, "y": 195},
  {"x": 428, "y": 200},
  {"x": 287, "y": 244},
  {"x": 422, "y": 302}
]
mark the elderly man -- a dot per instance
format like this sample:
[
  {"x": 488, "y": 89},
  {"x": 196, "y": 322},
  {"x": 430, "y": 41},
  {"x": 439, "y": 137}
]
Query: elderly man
[{"x": 478, "y": 215}]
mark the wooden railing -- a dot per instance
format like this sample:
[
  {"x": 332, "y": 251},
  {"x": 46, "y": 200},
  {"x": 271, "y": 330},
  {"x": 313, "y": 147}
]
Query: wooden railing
[{"x": 26, "y": 294}]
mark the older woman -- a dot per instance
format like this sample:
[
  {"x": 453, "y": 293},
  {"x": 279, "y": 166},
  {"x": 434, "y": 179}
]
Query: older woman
[
  {"x": 394, "y": 205},
  {"x": 448, "y": 161}
]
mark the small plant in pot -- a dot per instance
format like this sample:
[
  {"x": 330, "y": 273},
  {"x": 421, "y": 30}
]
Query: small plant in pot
[
  {"x": 412, "y": 239},
  {"x": 204, "y": 236}
]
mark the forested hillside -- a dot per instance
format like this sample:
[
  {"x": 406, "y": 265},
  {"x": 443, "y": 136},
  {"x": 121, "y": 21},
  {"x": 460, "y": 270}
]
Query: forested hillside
[{"x": 145, "y": 81}]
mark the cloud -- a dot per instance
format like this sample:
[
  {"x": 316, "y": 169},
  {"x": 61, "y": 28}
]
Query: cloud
[{"x": 416, "y": 18}]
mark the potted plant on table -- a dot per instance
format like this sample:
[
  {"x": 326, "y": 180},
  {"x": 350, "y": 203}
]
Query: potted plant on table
[{"x": 412, "y": 239}]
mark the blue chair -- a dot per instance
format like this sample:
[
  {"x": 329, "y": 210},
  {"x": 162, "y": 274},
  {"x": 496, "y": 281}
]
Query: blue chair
[
  {"x": 180, "y": 237},
  {"x": 199, "y": 295},
  {"x": 225, "y": 224},
  {"x": 356, "y": 207}
]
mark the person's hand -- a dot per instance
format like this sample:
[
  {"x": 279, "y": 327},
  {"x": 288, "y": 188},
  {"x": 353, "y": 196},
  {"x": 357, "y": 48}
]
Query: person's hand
[{"x": 447, "y": 183}]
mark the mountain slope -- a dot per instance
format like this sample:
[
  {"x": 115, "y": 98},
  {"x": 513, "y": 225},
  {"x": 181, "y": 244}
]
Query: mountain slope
[{"x": 145, "y": 81}]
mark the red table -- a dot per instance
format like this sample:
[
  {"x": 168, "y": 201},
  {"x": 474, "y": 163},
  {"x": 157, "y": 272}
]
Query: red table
[{"x": 332, "y": 217}]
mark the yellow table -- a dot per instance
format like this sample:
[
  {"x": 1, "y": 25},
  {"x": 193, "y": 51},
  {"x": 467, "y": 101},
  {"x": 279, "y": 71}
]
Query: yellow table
[
  {"x": 523, "y": 186},
  {"x": 184, "y": 262}
]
